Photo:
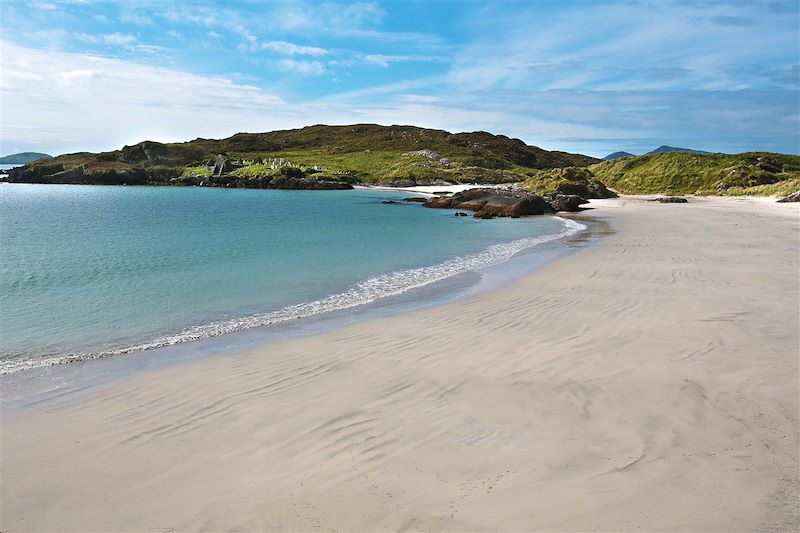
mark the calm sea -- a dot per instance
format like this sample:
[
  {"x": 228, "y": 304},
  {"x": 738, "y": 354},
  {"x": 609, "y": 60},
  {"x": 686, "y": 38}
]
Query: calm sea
[{"x": 94, "y": 271}]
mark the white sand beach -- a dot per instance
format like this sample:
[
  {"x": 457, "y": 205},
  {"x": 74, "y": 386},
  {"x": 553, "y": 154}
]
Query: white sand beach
[{"x": 650, "y": 382}]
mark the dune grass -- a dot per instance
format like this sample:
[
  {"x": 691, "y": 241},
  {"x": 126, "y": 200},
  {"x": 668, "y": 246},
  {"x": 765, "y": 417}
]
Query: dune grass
[{"x": 758, "y": 173}]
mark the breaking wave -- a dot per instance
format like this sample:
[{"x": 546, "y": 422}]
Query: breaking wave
[{"x": 361, "y": 293}]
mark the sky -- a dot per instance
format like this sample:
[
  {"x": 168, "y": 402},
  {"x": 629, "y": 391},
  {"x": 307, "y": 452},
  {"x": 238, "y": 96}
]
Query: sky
[{"x": 582, "y": 76}]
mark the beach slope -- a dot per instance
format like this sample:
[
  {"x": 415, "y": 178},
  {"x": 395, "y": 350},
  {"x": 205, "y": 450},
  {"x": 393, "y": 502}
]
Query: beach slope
[{"x": 649, "y": 382}]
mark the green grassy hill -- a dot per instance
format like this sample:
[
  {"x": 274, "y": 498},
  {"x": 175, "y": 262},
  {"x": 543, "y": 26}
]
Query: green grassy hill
[
  {"x": 358, "y": 153},
  {"x": 756, "y": 173}
]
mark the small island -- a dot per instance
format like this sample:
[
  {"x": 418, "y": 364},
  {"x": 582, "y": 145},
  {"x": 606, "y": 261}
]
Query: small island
[{"x": 23, "y": 158}]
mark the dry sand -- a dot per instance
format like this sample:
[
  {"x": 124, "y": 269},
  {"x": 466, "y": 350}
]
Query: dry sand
[{"x": 650, "y": 382}]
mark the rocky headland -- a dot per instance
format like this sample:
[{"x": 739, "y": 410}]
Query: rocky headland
[{"x": 315, "y": 157}]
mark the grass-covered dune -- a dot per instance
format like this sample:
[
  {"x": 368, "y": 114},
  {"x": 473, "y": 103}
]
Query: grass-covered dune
[
  {"x": 751, "y": 173},
  {"x": 366, "y": 153},
  {"x": 568, "y": 180}
]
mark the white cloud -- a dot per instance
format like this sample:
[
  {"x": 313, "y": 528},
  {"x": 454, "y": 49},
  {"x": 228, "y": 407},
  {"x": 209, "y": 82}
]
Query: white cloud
[
  {"x": 355, "y": 15},
  {"x": 282, "y": 47},
  {"x": 623, "y": 46},
  {"x": 194, "y": 14},
  {"x": 137, "y": 17},
  {"x": 44, "y": 6},
  {"x": 305, "y": 68},
  {"x": 383, "y": 60},
  {"x": 328, "y": 16},
  {"x": 124, "y": 41},
  {"x": 119, "y": 39},
  {"x": 580, "y": 79},
  {"x": 71, "y": 102}
]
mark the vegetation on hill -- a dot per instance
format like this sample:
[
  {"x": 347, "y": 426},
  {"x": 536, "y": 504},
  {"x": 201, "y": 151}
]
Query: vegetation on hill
[
  {"x": 758, "y": 173},
  {"x": 569, "y": 180},
  {"x": 338, "y": 156},
  {"x": 359, "y": 153},
  {"x": 22, "y": 158}
]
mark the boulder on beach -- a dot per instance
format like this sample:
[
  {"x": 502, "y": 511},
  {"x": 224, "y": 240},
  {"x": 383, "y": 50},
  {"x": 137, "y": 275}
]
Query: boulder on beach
[
  {"x": 670, "y": 200},
  {"x": 794, "y": 197},
  {"x": 567, "y": 202},
  {"x": 491, "y": 202}
]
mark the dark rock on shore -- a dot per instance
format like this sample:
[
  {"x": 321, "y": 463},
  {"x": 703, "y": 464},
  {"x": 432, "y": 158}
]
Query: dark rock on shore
[
  {"x": 79, "y": 176},
  {"x": 490, "y": 202},
  {"x": 670, "y": 200},
  {"x": 389, "y": 202},
  {"x": 416, "y": 199},
  {"x": 461, "y": 214},
  {"x": 794, "y": 197},
  {"x": 306, "y": 184},
  {"x": 567, "y": 202},
  {"x": 156, "y": 175}
]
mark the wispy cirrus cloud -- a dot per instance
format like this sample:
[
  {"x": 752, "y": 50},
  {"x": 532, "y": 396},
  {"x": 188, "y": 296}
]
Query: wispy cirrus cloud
[
  {"x": 283, "y": 47},
  {"x": 385, "y": 60},
  {"x": 118, "y": 39},
  {"x": 625, "y": 45},
  {"x": 124, "y": 41}
]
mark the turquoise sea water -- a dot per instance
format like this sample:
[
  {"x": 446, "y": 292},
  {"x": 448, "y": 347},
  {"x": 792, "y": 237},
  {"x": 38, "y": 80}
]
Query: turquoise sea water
[{"x": 94, "y": 271}]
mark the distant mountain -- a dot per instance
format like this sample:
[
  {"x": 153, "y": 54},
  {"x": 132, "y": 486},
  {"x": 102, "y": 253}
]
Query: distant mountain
[
  {"x": 617, "y": 155},
  {"x": 23, "y": 158},
  {"x": 662, "y": 149}
]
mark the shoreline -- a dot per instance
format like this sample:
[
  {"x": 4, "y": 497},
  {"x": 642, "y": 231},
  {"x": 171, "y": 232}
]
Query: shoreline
[
  {"x": 527, "y": 407},
  {"x": 38, "y": 384}
]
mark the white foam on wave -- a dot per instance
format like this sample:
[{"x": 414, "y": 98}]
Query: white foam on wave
[{"x": 363, "y": 292}]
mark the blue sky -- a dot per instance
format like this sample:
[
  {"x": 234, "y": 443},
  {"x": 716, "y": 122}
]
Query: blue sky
[{"x": 583, "y": 76}]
